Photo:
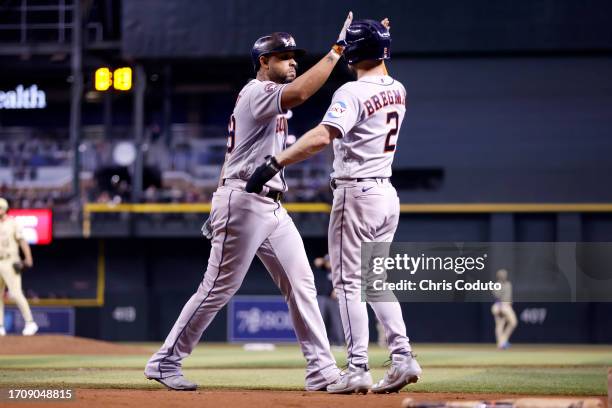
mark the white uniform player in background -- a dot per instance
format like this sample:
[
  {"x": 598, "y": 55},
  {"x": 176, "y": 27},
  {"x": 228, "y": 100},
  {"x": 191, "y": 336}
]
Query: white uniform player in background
[
  {"x": 503, "y": 313},
  {"x": 243, "y": 225},
  {"x": 363, "y": 123},
  {"x": 11, "y": 240}
]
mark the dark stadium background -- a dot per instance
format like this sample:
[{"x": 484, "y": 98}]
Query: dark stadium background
[{"x": 508, "y": 103}]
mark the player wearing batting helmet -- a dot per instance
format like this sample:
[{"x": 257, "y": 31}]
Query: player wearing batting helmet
[
  {"x": 244, "y": 224},
  {"x": 363, "y": 123},
  {"x": 275, "y": 43}
]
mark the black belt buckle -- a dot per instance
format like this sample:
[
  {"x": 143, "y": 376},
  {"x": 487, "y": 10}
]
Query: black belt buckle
[{"x": 275, "y": 195}]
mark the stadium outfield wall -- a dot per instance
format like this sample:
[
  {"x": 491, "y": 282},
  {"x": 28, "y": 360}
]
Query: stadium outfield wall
[{"x": 144, "y": 282}]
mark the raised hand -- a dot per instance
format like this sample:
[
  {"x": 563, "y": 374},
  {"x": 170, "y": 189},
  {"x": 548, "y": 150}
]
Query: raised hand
[
  {"x": 386, "y": 23},
  {"x": 342, "y": 36}
]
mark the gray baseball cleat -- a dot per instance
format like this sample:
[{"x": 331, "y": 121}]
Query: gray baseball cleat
[
  {"x": 404, "y": 370},
  {"x": 176, "y": 383},
  {"x": 354, "y": 379}
]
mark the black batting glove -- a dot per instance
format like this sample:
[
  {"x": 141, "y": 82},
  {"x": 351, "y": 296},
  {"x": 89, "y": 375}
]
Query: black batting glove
[{"x": 262, "y": 175}]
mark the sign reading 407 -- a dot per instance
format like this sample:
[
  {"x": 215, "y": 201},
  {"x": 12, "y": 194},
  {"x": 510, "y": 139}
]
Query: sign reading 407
[{"x": 534, "y": 315}]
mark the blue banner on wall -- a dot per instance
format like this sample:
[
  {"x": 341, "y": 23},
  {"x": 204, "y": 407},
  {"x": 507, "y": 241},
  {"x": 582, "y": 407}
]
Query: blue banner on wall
[
  {"x": 259, "y": 318},
  {"x": 50, "y": 320}
]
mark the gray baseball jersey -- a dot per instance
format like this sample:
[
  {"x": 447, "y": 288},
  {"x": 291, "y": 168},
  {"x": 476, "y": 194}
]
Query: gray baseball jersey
[
  {"x": 257, "y": 128},
  {"x": 368, "y": 113}
]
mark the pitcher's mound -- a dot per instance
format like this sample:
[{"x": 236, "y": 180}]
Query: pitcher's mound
[{"x": 50, "y": 344}]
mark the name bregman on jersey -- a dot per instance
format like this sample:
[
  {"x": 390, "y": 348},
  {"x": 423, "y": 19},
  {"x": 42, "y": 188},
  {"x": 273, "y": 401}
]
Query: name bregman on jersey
[{"x": 382, "y": 99}]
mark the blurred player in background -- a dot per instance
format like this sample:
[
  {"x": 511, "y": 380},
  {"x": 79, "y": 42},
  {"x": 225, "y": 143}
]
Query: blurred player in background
[
  {"x": 328, "y": 301},
  {"x": 363, "y": 123},
  {"x": 242, "y": 225},
  {"x": 11, "y": 266},
  {"x": 505, "y": 318}
]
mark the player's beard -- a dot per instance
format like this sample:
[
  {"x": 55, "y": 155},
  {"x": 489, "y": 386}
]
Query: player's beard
[
  {"x": 290, "y": 77},
  {"x": 283, "y": 77}
]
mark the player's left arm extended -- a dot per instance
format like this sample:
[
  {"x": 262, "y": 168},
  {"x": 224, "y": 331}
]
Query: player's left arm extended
[
  {"x": 307, "y": 146},
  {"x": 27, "y": 253}
]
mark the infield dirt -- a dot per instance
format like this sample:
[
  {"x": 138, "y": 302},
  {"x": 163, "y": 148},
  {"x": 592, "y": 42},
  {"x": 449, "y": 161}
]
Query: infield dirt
[
  {"x": 250, "y": 399},
  {"x": 51, "y": 344}
]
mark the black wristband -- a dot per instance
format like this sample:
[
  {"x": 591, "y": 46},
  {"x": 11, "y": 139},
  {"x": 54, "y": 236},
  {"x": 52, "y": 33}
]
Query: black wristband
[{"x": 271, "y": 162}]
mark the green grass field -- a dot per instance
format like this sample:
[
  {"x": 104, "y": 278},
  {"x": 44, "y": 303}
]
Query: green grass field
[{"x": 542, "y": 369}]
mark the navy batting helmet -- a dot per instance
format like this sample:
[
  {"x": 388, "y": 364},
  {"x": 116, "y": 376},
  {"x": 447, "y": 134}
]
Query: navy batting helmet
[
  {"x": 273, "y": 43},
  {"x": 367, "y": 40}
]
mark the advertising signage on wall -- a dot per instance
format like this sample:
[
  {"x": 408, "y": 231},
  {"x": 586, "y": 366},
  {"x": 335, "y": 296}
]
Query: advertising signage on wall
[
  {"x": 23, "y": 98},
  {"x": 37, "y": 224},
  {"x": 259, "y": 319}
]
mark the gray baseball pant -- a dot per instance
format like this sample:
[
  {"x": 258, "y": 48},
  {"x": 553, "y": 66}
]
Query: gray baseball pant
[
  {"x": 245, "y": 225},
  {"x": 363, "y": 212}
]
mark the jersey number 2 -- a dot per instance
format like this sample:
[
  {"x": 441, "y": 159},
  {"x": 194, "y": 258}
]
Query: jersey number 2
[
  {"x": 231, "y": 134},
  {"x": 390, "y": 146}
]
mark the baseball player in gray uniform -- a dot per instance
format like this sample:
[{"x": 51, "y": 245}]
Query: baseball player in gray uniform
[
  {"x": 242, "y": 225},
  {"x": 363, "y": 123}
]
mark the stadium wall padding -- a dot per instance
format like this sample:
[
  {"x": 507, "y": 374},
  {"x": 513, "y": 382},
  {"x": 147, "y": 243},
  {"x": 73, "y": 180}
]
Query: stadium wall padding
[{"x": 149, "y": 280}]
